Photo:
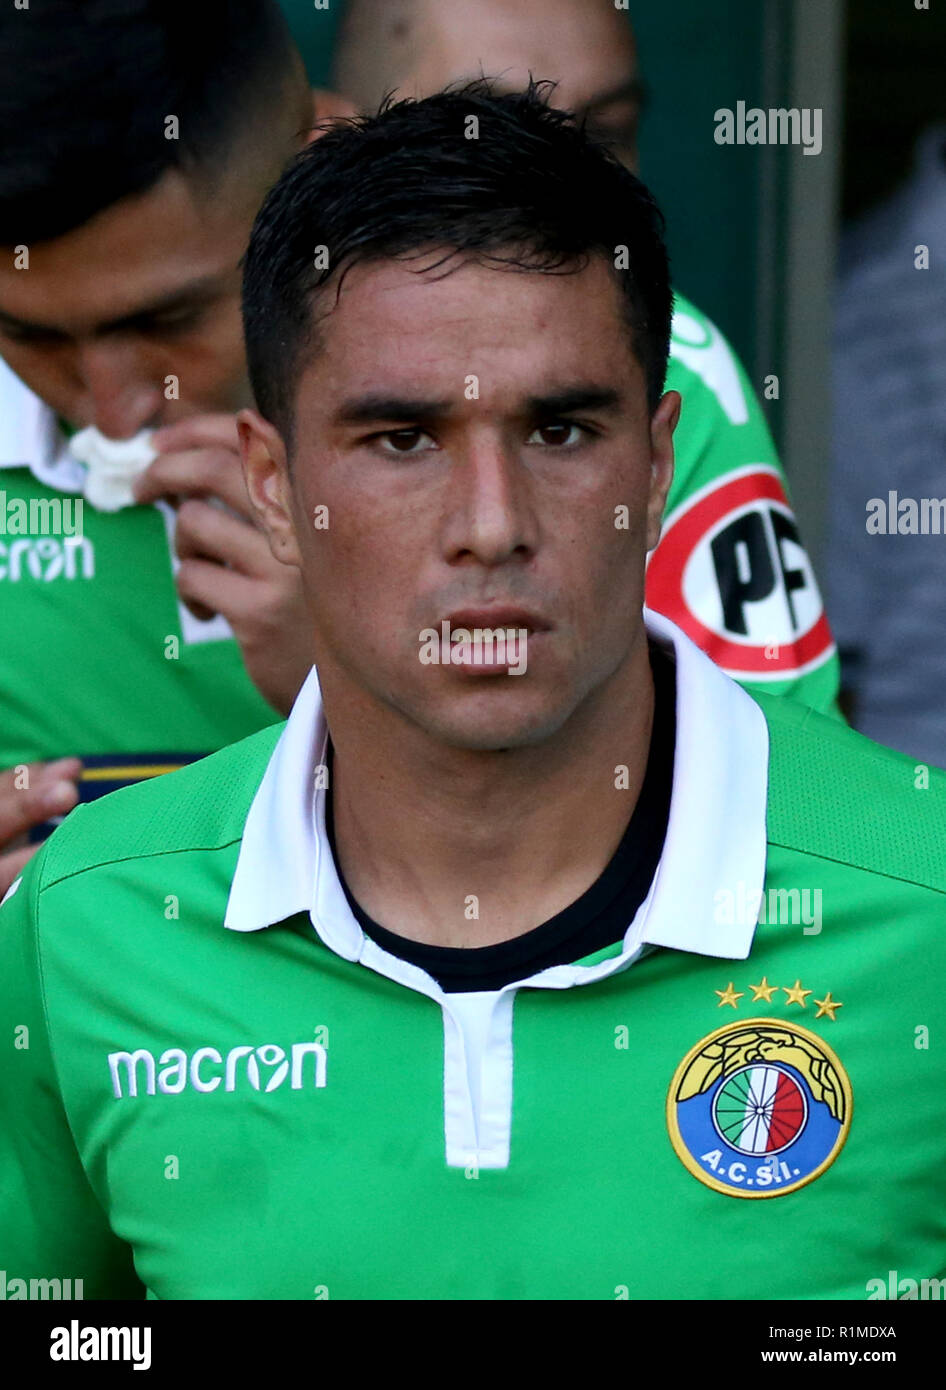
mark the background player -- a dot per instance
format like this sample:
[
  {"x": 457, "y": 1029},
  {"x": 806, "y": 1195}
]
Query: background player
[{"x": 119, "y": 308}]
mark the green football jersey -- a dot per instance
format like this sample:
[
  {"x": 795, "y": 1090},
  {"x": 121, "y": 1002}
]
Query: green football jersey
[
  {"x": 215, "y": 1086},
  {"x": 94, "y": 661}
]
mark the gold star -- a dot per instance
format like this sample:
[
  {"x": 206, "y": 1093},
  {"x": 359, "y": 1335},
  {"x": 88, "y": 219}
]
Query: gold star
[
  {"x": 796, "y": 995},
  {"x": 727, "y": 996},
  {"x": 827, "y": 1005},
  {"x": 763, "y": 990}
]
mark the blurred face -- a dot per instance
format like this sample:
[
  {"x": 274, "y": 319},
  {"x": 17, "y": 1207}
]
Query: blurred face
[
  {"x": 148, "y": 289},
  {"x": 587, "y": 46},
  {"x": 481, "y": 442}
]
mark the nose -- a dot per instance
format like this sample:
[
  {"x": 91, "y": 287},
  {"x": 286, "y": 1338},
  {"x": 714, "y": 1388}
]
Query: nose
[
  {"x": 491, "y": 517},
  {"x": 120, "y": 395}
]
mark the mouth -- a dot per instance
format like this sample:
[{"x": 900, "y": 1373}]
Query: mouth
[
  {"x": 493, "y": 640},
  {"x": 504, "y": 617}
]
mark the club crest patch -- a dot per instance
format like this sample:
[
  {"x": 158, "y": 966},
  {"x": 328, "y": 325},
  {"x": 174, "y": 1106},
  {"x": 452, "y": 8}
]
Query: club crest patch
[{"x": 759, "y": 1108}]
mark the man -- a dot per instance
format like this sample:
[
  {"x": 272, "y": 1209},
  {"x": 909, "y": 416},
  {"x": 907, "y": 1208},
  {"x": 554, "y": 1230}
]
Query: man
[
  {"x": 730, "y": 569},
  {"x": 418, "y": 46},
  {"x": 429, "y": 994},
  {"x": 122, "y": 315},
  {"x": 138, "y": 143}
]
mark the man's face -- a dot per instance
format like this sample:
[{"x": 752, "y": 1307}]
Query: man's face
[
  {"x": 586, "y": 46},
  {"x": 147, "y": 290},
  {"x": 481, "y": 442}
]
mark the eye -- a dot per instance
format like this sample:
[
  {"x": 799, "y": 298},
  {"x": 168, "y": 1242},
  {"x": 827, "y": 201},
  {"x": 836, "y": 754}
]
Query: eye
[
  {"x": 404, "y": 441},
  {"x": 558, "y": 434},
  {"x": 39, "y": 337},
  {"x": 618, "y": 122},
  {"x": 173, "y": 321}
]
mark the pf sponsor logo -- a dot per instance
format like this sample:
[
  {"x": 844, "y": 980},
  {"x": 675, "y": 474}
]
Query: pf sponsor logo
[{"x": 731, "y": 571}]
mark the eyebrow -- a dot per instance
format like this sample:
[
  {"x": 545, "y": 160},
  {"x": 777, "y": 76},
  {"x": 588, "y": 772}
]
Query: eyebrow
[
  {"x": 364, "y": 410},
  {"x": 574, "y": 398},
  {"x": 196, "y": 293},
  {"x": 630, "y": 89}
]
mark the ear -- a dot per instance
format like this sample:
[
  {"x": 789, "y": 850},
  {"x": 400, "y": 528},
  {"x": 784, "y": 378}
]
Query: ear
[
  {"x": 326, "y": 106},
  {"x": 266, "y": 472},
  {"x": 662, "y": 425}
]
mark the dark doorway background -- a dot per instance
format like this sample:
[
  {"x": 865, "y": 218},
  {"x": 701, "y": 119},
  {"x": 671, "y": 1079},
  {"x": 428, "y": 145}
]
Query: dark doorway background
[{"x": 894, "y": 87}]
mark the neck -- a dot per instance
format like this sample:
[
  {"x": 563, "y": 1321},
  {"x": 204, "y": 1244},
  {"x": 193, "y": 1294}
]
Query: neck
[{"x": 468, "y": 848}]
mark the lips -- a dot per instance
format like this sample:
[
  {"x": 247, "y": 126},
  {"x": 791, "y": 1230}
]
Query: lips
[{"x": 498, "y": 617}]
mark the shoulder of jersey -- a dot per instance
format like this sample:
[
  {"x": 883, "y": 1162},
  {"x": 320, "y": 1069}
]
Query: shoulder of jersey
[
  {"x": 201, "y": 806},
  {"x": 682, "y": 305},
  {"x": 690, "y": 328},
  {"x": 837, "y": 795},
  {"x": 702, "y": 359}
]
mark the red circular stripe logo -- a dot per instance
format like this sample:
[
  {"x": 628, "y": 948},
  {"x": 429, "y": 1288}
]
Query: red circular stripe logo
[{"x": 731, "y": 572}]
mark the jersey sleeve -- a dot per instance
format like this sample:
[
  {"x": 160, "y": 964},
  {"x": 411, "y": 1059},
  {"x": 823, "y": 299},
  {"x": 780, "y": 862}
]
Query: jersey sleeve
[
  {"x": 51, "y": 1224},
  {"x": 730, "y": 568}
]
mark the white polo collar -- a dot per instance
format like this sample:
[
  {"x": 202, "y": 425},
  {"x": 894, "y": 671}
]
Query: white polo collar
[
  {"x": 30, "y": 436},
  {"x": 715, "y": 842}
]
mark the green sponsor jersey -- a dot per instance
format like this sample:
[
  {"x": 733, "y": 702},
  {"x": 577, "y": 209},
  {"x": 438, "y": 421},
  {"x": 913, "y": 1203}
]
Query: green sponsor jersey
[
  {"x": 215, "y": 1086},
  {"x": 99, "y": 660}
]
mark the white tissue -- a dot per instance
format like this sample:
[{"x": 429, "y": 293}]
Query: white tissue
[{"x": 113, "y": 465}]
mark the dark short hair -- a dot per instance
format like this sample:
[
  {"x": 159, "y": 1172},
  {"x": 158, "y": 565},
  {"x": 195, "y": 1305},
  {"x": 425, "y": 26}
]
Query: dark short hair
[
  {"x": 87, "y": 87},
  {"x": 533, "y": 191}
]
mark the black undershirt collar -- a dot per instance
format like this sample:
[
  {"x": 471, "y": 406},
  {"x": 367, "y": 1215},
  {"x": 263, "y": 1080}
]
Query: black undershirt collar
[{"x": 598, "y": 918}]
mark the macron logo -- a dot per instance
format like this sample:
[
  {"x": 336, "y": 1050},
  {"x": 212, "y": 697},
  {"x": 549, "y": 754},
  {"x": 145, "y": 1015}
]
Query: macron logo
[{"x": 263, "y": 1068}]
